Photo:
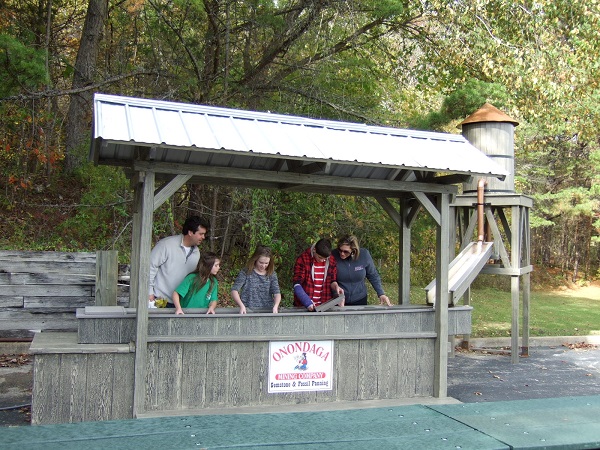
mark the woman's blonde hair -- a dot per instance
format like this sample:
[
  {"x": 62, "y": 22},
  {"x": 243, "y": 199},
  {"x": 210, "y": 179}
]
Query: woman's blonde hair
[
  {"x": 261, "y": 251},
  {"x": 352, "y": 241}
]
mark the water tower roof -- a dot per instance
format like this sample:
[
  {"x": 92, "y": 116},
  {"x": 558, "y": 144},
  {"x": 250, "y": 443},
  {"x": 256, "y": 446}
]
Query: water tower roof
[{"x": 488, "y": 113}]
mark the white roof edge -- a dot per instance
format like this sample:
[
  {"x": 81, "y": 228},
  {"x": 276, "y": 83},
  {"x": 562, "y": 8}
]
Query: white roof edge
[{"x": 272, "y": 117}]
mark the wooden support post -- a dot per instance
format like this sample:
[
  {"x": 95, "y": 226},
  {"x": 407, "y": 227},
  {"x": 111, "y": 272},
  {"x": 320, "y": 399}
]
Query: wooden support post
[
  {"x": 515, "y": 252},
  {"x": 526, "y": 300},
  {"x": 107, "y": 272},
  {"x": 440, "y": 383},
  {"x": 526, "y": 281},
  {"x": 143, "y": 241},
  {"x": 451, "y": 255},
  {"x": 466, "y": 222},
  {"x": 404, "y": 266}
]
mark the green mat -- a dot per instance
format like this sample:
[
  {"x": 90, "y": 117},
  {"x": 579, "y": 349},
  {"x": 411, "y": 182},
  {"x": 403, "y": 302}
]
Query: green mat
[{"x": 571, "y": 422}]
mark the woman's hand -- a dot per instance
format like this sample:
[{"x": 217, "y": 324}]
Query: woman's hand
[
  {"x": 179, "y": 311},
  {"x": 384, "y": 300},
  {"x": 242, "y": 309}
]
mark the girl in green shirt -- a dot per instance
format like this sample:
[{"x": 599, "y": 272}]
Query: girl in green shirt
[{"x": 199, "y": 288}]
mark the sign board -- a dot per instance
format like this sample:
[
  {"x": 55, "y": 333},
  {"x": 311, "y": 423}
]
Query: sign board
[{"x": 300, "y": 366}]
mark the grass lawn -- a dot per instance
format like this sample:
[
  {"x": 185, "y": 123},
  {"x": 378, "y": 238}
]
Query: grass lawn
[{"x": 551, "y": 313}]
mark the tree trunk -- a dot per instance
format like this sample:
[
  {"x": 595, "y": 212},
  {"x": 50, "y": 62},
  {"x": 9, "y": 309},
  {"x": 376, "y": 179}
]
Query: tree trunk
[{"x": 80, "y": 109}]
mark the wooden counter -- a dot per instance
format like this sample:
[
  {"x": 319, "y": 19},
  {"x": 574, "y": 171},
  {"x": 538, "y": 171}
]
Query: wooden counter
[{"x": 200, "y": 361}]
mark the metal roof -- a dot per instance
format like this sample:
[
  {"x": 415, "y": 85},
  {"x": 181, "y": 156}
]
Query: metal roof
[{"x": 171, "y": 135}]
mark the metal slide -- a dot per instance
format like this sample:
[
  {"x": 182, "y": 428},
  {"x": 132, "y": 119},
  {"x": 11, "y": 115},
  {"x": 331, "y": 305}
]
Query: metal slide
[{"x": 462, "y": 271}]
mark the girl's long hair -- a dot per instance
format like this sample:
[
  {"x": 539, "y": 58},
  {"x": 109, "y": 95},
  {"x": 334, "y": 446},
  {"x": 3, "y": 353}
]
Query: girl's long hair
[
  {"x": 205, "y": 265},
  {"x": 260, "y": 251}
]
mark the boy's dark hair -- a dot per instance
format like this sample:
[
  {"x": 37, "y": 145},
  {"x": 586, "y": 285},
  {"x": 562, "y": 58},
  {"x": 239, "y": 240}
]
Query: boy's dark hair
[
  {"x": 192, "y": 223},
  {"x": 323, "y": 247}
]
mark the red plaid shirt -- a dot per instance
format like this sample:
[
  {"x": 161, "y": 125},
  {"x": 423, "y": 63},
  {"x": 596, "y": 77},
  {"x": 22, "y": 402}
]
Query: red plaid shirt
[{"x": 304, "y": 277}]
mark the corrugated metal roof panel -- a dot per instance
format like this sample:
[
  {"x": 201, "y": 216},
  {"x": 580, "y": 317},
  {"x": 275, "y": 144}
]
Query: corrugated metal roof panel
[
  {"x": 185, "y": 133},
  {"x": 199, "y": 131}
]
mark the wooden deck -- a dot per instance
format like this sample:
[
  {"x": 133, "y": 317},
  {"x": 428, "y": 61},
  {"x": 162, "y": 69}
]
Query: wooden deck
[{"x": 565, "y": 423}]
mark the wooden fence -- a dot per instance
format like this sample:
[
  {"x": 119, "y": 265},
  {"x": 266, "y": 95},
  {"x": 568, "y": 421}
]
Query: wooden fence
[{"x": 41, "y": 290}]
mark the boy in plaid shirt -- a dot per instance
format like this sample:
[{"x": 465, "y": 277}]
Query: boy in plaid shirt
[{"x": 315, "y": 276}]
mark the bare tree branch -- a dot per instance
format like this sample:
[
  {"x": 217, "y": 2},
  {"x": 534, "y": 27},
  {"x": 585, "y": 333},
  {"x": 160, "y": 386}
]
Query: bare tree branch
[{"x": 62, "y": 92}]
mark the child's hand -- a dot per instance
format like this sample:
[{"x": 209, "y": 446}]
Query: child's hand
[
  {"x": 242, "y": 309},
  {"x": 179, "y": 311}
]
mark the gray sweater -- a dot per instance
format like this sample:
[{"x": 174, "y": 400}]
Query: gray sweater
[
  {"x": 256, "y": 291},
  {"x": 169, "y": 265},
  {"x": 351, "y": 275}
]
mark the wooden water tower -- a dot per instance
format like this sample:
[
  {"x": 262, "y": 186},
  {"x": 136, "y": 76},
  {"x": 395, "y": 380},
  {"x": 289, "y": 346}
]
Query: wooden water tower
[{"x": 506, "y": 215}]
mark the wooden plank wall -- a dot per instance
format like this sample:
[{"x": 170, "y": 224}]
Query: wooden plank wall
[
  {"x": 195, "y": 375},
  {"x": 41, "y": 291},
  {"x": 78, "y": 384},
  {"x": 82, "y": 387}
]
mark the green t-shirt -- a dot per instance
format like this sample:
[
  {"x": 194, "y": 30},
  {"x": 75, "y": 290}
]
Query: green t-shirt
[{"x": 199, "y": 299}]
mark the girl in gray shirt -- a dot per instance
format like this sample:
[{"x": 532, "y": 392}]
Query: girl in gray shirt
[{"x": 256, "y": 286}]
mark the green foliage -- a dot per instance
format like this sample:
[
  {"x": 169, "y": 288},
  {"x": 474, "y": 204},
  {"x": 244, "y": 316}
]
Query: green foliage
[
  {"x": 264, "y": 225},
  {"x": 21, "y": 66},
  {"x": 389, "y": 8},
  {"x": 104, "y": 211},
  {"x": 465, "y": 100},
  {"x": 391, "y": 62}
]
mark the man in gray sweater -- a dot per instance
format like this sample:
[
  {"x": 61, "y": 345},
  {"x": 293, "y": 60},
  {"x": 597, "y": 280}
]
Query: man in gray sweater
[{"x": 174, "y": 257}]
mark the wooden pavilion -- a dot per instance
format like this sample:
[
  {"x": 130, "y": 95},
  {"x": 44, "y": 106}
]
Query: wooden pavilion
[{"x": 158, "y": 363}]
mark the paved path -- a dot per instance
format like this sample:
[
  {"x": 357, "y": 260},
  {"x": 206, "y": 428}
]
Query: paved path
[{"x": 548, "y": 372}]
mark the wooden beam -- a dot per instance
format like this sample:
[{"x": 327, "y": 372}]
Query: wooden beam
[
  {"x": 278, "y": 165},
  {"x": 403, "y": 175},
  {"x": 504, "y": 222},
  {"x": 168, "y": 189},
  {"x": 430, "y": 207},
  {"x": 412, "y": 212},
  {"x": 327, "y": 183},
  {"x": 491, "y": 269},
  {"x": 497, "y": 237},
  {"x": 453, "y": 179},
  {"x": 467, "y": 237},
  {"x": 315, "y": 167},
  {"x": 390, "y": 209}
]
